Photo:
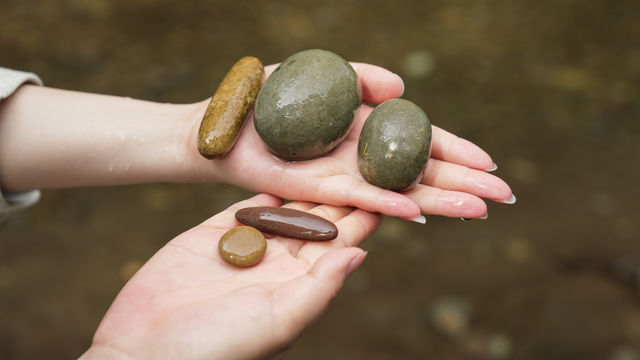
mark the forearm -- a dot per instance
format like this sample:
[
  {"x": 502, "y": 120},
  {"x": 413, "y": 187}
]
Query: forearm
[
  {"x": 56, "y": 138},
  {"x": 104, "y": 353}
]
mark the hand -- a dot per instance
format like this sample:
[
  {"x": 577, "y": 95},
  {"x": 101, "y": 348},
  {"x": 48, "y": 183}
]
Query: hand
[
  {"x": 186, "y": 302},
  {"x": 109, "y": 140},
  {"x": 454, "y": 183}
]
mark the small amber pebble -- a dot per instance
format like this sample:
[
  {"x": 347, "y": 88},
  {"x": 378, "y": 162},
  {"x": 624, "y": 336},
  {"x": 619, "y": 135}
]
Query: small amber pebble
[
  {"x": 242, "y": 246},
  {"x": 225, "y": 116}
]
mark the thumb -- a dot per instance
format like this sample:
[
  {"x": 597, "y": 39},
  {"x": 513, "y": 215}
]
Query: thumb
[{"x": 301, "y": 300}]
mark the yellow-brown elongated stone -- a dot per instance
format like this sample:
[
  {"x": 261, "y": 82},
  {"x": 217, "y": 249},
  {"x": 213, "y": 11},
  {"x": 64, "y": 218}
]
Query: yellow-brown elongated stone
[{"x": 225, "y": 116}]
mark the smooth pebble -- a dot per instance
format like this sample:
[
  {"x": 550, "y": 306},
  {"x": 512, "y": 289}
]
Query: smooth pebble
[
  {"x": 242, "y": 246},
  {"x": 307, "y": 105},
  {"x": 394, "y": 145},
  {"x": 225, "y": 116},
  {"x": 288, "y": 223}
]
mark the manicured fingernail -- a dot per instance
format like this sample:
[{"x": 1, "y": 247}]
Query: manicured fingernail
[
  {"x": 493, "y": 167},
  {"x": 511, "y": 200},
  {"x": 483, "y": 217},
  {"x": 402, "y": 82},
  {"x": 419, "y": 219},
  {"x": 355, "y": 263}
]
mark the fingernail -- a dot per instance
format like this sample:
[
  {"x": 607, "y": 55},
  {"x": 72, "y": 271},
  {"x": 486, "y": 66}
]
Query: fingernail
[
  {"x": 402, "y": 82},
  {"x": 511, "y": 200},
  {"x": 483, "y": 217},
  {"x": 355, "y": 263},
  {"x": 493, "y": 167},
  {"x": 419, "y": 219}
]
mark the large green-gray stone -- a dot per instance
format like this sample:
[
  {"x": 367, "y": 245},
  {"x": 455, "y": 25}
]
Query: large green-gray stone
[
  {"x": 394, "y": 145},
  {"x": 307, "y": 105}
]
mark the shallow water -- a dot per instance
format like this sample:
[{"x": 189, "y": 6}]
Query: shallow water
[{"x": 549, "y": 88}]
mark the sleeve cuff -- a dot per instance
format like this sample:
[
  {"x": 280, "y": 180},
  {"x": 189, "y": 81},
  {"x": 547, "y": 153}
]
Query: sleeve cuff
[
  {"x": 16, "y": 201},
  {"x": 10, "y": 80}
]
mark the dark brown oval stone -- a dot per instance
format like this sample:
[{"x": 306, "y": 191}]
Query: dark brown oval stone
[
  {"x": 242, "y": 246},
  {"x": 288, "y": 223}
]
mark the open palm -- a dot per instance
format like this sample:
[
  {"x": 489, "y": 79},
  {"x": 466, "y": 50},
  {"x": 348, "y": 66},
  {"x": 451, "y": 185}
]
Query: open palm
[
  {"x": 186, "y": 302},
  {"x": 454, "y": 183}
]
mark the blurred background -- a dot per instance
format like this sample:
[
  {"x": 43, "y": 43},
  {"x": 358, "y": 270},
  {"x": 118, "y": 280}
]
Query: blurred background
[{"x": 550, "y": 88}]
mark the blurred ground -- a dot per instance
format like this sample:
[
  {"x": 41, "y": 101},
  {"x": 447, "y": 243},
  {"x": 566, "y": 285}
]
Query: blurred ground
[{"x": 550, "y": 88}]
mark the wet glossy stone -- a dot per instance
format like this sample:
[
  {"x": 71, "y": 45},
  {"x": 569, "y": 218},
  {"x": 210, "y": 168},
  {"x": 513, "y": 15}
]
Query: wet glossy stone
[
  {"x": 225, "y": 116},
  {"x": 394, "y": 145},
  {"x": 288, "y": 223},
  {"x": 307, "y": 105},
  {"x": 242, "y": 246}
]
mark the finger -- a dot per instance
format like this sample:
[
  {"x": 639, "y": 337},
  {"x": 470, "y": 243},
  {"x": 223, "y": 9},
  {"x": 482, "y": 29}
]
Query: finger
[
  {"x": 436, "y": 201},
  {"x": 328, "y": 212},
  {"x": 298, "y": 302},
  {"x": 449, "y": 176},
  {"x": 268, "y": 70},
  {"x": 348, "y": 190},
  {"x": 300, "y": 205},
  {"x": 352, "y": 230},
  {"x": 227, "y": 219},
  {"x": 378, "y": 84},
  {"x": 356, "y": 128},
  {"x": 335, "y": 214},
  {"x": 449, "y": 147},
  {"x": 356, "y": 227}
]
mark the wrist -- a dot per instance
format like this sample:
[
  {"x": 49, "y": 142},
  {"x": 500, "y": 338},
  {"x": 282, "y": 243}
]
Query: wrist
[
  {"x": 196, "y": 167},
  {"x": 104, "y": 352},
  {"x": 170, "y": 155}
]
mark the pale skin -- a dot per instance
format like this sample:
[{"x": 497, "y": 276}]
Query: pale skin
[
  {"x": 187, "y": 303},
  {"x": 110, "y": 140}
]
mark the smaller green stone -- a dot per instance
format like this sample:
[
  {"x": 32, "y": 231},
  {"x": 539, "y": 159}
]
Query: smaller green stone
[{"x": 394, "y": 145}]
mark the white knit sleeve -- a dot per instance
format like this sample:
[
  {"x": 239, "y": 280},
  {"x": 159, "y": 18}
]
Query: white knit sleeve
[{"x": 10, "y": 80}]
